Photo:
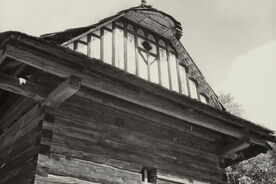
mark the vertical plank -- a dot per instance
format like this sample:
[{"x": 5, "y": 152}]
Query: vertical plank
[
  {"x": 102, "y": 44},
  {"x": 75, "y": 45},
  {"x": 158, "y": 62},
  {"x": 89, "y": 45},
  {"x": 125, "y": 47},
  {"x": 178, "y": 74},
  {"x": 169, "y": 67},
  {"x": 113, "y": 44},
  {"x": 136, "y": 51}
]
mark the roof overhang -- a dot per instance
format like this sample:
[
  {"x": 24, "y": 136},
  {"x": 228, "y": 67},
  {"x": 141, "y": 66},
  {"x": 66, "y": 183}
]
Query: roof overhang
[{"x": 96, "y": 75}]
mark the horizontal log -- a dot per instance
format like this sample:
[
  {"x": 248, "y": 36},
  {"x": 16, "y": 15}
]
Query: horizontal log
[
  {"x": 88, "y": 171},
  {"x": 88, "y": 96},
  {"x": 54, "y": 179},
  {"x": 104, "y": 144},
  {"x": 167, "y": 179},
  {"x": 157, "y": 155},
  {"x": 64, "y": 69},
  {"x": 86, "y": 126},
  {"x": 15, "y": 111},
  {"x": 164, "y": 129},
  {"x": 11, "y": 134},
  {"x": 120, "y": 163},
  {"x": 117, "y": 156}
]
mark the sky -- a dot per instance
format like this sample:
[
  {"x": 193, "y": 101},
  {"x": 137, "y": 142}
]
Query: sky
[{"x": 232, "y": 42}]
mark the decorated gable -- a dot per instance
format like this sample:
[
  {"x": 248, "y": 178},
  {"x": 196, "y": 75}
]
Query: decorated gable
[{"x": 144, "y": 42}]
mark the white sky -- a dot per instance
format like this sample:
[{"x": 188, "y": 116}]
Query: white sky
[{"x": 232, "y": 42}]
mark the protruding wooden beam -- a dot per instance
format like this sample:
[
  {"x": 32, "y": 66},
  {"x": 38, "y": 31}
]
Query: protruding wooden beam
[
  {"x": 231, "y": 149},
  {"x": 64, "y": 91},
  {"x": 23, "y": 87}
]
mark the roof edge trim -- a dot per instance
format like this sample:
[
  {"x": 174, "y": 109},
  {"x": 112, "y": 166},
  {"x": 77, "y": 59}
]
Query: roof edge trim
[{"x": 91, "y": 30}]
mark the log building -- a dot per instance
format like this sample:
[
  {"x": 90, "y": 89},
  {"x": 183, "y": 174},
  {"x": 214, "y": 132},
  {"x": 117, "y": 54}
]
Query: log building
[{"x": 117, "y": 102}]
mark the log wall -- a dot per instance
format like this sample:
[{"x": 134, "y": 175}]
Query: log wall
[
  {"x": 89, "y": 142},
  {"x": 19, "y": 142}
]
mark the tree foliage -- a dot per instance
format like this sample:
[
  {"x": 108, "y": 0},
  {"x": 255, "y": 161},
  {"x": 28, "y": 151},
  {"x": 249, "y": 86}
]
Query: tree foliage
[
  {"x": 258, "y": 170},
  {"x": 230, "y": 105}
]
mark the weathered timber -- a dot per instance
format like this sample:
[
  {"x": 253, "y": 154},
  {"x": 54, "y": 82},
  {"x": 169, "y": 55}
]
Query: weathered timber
[
  {"x": 173, "y": 136},
  {"x": 124, "y": 142},
  {"x": 91, "y": 172},
  {"x": 25, "y": 174},
  {"x": 28, "y": 89},
  {"x": 81, "y": 109},
  {"x": 92, "y": 136},
  {"x": 19, "y": 147},
  {"x": 119, "y": 90},
  {"x": 147, "y": 114},
  {"x": 64, "y": 91},
  {"x": 15, "y": 111},
  {"x": 29, "y": 138},
  {"x": 124, "y": 121},
  {"x": 94, "y": 67},
  {"x": 21, "y": 123}
]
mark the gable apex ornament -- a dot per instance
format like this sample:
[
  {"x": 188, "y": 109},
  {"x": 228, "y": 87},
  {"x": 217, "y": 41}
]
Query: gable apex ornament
[{"x": 144, "y": 3}]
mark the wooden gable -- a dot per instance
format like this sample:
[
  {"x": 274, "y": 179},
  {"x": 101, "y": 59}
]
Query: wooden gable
[{"x": 160, "y": 24}]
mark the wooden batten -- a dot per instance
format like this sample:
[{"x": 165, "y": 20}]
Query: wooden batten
[{"x": 64, "y": 91}]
